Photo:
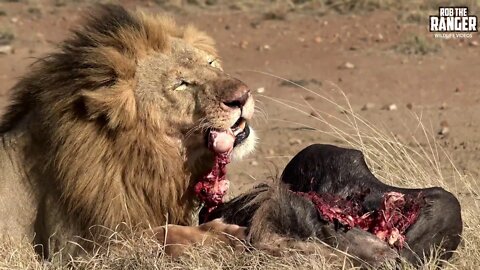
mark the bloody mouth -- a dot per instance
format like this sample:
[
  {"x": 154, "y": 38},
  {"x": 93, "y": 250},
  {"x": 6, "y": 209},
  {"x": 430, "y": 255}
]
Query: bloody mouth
[
  {"x": 213, "y": 186},
  {"x": 390, "y": 222}
]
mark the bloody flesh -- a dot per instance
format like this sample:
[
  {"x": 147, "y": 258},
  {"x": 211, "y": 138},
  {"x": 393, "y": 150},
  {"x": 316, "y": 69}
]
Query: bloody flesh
[
  {"x": 389, "y": 223},
  {"x": 213, "y": 186}
]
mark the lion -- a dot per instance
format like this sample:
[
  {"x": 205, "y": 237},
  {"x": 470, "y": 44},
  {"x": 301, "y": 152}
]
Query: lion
[{"x": 115, "y": 129}]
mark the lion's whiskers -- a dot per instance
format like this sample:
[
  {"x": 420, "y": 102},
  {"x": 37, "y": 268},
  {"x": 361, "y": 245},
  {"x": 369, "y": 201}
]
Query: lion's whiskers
[
  {"x": 260, "y": 113},
  {"x": 202, "y": 126}
]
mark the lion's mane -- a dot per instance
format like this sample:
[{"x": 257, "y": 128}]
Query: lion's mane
[{"x": 96, "y": 160}]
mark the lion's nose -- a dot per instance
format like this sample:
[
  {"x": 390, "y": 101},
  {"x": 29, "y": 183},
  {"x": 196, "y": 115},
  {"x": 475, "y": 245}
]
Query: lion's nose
[{"x": 238, "y": 97}]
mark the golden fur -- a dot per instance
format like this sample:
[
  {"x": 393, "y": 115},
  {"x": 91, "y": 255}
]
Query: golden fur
[{"x": 103, "y": 133}]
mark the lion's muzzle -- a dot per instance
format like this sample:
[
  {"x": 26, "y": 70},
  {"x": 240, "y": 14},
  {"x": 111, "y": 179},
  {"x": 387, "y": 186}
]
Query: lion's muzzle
[
  {"x": 236, "y": 94},
  {"x": 236, "y": 101}
]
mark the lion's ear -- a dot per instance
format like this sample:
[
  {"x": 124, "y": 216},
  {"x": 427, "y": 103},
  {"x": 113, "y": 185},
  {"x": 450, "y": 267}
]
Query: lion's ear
[{"x": 116, "y": 105}]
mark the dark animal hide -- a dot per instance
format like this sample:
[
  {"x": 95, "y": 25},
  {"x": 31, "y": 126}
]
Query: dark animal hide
[{"x": 283, "y": 210}]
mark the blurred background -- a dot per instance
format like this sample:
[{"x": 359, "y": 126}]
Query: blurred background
[{"x": 300, "y": 55}]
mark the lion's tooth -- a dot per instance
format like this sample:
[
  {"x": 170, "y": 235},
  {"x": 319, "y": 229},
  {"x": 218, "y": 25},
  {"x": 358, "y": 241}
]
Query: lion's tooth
[
  {"x": 242, "y": 125},
  {"x": 237, "y": 131}
]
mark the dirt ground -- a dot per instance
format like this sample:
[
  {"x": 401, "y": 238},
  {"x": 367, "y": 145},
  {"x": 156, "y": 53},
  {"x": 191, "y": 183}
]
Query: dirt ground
[{"x": 378, "y": 58}]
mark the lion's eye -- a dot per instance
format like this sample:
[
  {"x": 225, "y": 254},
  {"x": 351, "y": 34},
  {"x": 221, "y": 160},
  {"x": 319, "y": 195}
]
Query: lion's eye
[
  {"x": 181, "y": 85},
  {"x": 212, "y": 62}
]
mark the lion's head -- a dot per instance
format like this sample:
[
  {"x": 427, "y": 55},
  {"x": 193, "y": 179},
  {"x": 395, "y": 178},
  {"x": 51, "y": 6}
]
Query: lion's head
[
  {"x": 186, "y": 79},
  {"x": 120, "y": 118}
]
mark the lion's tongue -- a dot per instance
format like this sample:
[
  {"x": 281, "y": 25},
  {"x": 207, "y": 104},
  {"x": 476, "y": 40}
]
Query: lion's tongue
[{"x": 221, "y": 141}]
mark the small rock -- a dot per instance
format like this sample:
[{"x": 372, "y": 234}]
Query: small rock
[
  {"x": 301, "y": 39},
  {"x": 368, "y": 106},
  {"x": 6, "y": 49},
  {"x": 444, "y": 128},
  {"x": 254, "y": 163},
  {"x": 265, "y": 47},
  {"x": 444, "y": 131},
  {"x": 348, "y": 65},
  {"x": 271, "y": 152},
  {"x": 309, "y": 98},
  {"x": 294, "y": 141},
  {"x": 390, "y": 107},
  {"x": 379, "y": 38},
  {"x": 243, "y": 44},
  {"x": 457, "y": 90},
  {"x": 443, "y": 106},
  {"x": 14, "y": 19},
  {"x": 473, "y": 43},
  {"x": 314, "y": 114},
  {"x": 261, "y": 90},
  {"x": 409, "y": 106},
  {"x": 317, "y": 40}
]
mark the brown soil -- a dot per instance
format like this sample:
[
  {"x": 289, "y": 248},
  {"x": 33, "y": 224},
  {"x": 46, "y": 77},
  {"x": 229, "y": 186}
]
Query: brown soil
[{"x": 440, "y": 87}]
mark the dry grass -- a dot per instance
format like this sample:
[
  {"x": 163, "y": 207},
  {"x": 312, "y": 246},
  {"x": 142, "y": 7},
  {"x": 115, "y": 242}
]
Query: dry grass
[
  {"x": 6, "y": 36},
  {"x": 422, "y": 163},
  {"x": 414, "y": 165},
  {"x": 141, "y": 253},
  {"x": 417, "y": 45}
]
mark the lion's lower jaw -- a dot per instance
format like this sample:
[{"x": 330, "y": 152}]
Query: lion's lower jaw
[{"x": 246, "y": 147}]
